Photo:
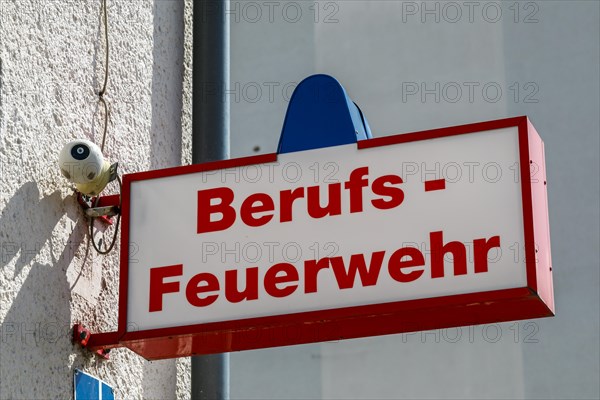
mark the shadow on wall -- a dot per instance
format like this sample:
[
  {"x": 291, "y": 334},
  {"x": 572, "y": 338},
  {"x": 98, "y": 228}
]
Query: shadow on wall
[
  {"x": 27, "y": 223},
  {"x": 35, "y": 340},
  {"x": 167, "y": 84}
]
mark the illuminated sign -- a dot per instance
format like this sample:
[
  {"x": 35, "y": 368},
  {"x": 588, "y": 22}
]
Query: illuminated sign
[{"x": 410, "y": 232}]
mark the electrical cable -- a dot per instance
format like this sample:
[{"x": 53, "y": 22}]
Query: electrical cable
[
  {"x": 114, "y": 238},
  {"x": 103, "y": 90},
  {"x": 103, "y": 101}
]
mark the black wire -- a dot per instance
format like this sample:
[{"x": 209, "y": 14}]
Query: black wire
[
  {"x": 92, "y": 219},
  {"x": 105, "y": 122},
  {"x": 103, "y": 101},
  {"x": 103, "y": 90}
]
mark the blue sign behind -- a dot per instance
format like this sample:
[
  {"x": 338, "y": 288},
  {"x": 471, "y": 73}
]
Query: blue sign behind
[
  {"x": 321, "y": 114},
  {"x": 87, "y": 387}
]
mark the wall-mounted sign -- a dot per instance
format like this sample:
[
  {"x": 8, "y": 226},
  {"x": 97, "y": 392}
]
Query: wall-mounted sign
[{"x": 410, "y": 232}]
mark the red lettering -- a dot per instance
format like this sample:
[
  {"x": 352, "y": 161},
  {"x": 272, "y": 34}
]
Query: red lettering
[
  {"x": 202, "y": 283},
  {"x": 158, "y": 287},
  {"x": 405, "y": 265},
  {"x": 311, "y": 270},
  {"x": 216, "y": 211},
  {"x": 290, "y": 274},
  {"x": 396, "y": 264},
  {"x": 287, "y": 198},
  {"x": 368, "y": 276},
  {"x": 206, "y": 209},
  {"x": 395, "y": 194},
  {"x": 481, "y": 250},
  {"x": 249, "y": 293},
  {"x": 355, "y": 184},
  {"x": 334, "y": 202},
  {"x": 439, "y": 250},
  {"x": 255, "y": 203}
]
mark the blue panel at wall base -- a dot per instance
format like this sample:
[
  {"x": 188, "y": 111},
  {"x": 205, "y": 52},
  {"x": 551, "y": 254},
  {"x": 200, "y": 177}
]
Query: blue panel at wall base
[
  {"x": 107, "y": 392},
  {"x": 321, "y": 114},
  {"x": 88, "y": 387}
]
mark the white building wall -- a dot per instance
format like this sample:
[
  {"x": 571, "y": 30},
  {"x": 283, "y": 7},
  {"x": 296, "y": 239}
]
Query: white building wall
[{"x": 51, "y": 67}]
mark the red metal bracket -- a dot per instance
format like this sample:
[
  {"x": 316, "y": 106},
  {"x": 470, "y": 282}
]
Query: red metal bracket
[
  {"x": 98, "y": 343},
  {"x": 110, "y": 200},
  {"x": 107, "y": 205}
]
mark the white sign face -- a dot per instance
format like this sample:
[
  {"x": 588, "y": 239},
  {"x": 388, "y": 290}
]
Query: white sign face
[{"x": 326, "y": 229}]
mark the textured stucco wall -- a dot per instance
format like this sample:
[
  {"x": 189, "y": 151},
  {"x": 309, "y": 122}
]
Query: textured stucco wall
[{"x": 51, "y": 66}]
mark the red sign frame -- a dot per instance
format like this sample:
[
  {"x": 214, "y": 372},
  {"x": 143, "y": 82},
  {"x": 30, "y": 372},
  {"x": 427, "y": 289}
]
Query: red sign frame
[{"x": 533, "y": 301}]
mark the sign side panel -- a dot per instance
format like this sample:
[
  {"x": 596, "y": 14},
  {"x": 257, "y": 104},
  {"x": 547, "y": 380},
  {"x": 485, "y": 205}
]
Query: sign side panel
[
  {"x": 526, "y": 248},
  {"x": 541, "y": 225}
]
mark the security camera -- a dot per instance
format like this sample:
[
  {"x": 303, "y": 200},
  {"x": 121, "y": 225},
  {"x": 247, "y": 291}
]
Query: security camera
[{"x": 82, "y": 163}]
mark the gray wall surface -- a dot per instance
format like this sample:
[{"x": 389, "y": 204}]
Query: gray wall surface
[
  {"x": 539, "y": 59},
  {"x": 51, "y": 68}
]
